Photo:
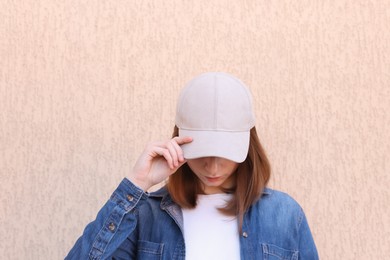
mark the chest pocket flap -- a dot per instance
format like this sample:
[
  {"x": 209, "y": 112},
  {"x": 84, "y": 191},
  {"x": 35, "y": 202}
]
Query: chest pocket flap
[
  {"x": 149, "y": 250},
  {"x": 272, "y": 252}
]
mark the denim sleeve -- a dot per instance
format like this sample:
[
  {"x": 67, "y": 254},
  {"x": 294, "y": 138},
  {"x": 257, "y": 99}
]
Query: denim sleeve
[
  {"x": 114, "y": 223},
  {"x": 307, "y": 247}
]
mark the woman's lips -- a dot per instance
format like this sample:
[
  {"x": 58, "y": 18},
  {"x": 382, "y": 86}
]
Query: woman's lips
[{"x": 213, "y": 179}]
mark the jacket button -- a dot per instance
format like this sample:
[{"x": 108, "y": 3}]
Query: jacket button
[
  {"x": 244, "y": 234},
  {"x": 129, "y": 197},
  {"x": 111, "y": 226}
]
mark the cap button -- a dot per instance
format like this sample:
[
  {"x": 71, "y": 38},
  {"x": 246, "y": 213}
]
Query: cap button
[{"x": 244, "y": 234}]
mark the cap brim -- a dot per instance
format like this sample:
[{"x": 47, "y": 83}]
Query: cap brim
[{"x": 229, "y": 145}]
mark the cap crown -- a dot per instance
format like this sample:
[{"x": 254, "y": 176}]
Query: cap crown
[{"x": 215, "y": 101}]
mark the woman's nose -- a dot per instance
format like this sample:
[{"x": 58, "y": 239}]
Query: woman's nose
[{"x": 212, "y": 165}]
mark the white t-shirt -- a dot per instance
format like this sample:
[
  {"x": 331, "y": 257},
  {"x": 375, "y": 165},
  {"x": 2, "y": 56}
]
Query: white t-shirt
[{"x": 208, "y": 234}]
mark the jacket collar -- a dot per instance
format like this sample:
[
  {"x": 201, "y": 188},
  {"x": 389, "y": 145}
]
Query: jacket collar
[{"x": 163, "y": 193}]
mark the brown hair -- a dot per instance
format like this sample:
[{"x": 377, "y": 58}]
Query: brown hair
[{"x": 251, "y": 177}]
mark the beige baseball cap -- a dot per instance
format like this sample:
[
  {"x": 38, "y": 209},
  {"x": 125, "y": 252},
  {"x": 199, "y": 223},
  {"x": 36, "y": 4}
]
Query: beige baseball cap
[{"x": 215, "y": 109}]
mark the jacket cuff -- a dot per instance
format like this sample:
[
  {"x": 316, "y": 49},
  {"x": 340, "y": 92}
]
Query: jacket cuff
[{"x": 128, "y": 195}]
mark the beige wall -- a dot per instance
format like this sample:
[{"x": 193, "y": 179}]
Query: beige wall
[{"x": 85, "y": 84}]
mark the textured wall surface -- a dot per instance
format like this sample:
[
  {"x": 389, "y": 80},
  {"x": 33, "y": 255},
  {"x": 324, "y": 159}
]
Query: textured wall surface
[{"x": 84, "y": 85}]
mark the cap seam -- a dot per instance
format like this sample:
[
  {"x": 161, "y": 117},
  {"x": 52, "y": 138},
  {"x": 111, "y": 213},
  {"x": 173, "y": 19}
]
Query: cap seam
[{"x": 215, "y": 101}]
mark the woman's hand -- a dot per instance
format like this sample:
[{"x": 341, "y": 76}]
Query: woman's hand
[{"x": 158, "y": 161}]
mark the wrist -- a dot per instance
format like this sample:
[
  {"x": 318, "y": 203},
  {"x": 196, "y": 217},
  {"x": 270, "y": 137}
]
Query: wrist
[{"x": 139, "y": 183}]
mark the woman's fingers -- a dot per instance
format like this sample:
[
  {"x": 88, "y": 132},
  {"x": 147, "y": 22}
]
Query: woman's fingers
[
  {"x": 175, "y": 149},
  {"x": 175, "y": 154},
  {"x": 183, "y": 139},
  {"x": 173, "y": 146},
  {"x": 164, "y": 152},
  {"x": 178, "y": 140},
  {"x": 158, "y": 161}
]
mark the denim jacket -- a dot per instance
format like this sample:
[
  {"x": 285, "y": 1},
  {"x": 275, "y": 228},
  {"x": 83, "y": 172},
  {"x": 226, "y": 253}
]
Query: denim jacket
[{"x": 134, "y": 224}]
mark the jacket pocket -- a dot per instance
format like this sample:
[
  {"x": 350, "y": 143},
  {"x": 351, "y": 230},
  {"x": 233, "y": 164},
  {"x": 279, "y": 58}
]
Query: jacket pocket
[
  {"x": 272, "y": 252},
  {"x": 149, "y": 250}
]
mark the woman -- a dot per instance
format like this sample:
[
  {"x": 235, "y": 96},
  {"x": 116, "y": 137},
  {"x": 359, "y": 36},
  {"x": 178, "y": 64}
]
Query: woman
[{"x": 215, "y": 204}]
